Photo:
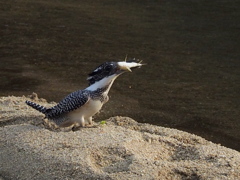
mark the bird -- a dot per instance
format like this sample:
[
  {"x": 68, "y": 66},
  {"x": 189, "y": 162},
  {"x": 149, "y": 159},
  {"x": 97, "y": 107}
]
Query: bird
[{"x": 77, "y": 109}]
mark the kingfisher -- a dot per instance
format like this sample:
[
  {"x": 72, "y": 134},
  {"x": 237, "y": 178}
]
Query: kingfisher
[{"x": 78, "y": 108}]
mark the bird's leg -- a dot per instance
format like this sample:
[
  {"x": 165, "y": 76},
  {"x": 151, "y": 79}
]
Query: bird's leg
[
  {"x": 89, "y": 120},
  {"x": 79, "y": 124},
  {"x": 76, "y": 128},
  {"x": 90, "y": 123},
  {"x": 82, "y": 122}
]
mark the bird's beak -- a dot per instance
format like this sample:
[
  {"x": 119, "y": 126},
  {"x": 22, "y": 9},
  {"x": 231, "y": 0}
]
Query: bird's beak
[{"x": 127, "y": 66}]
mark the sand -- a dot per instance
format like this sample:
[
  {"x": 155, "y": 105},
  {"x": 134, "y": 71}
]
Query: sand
[{"x": 119, "y": 149}]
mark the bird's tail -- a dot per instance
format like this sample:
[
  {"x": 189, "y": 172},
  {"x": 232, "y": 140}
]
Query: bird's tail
[{"x": 38, "y": 107}]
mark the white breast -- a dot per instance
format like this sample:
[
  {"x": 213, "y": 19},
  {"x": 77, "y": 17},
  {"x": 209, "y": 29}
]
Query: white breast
[{"x": 87, "y": 110}]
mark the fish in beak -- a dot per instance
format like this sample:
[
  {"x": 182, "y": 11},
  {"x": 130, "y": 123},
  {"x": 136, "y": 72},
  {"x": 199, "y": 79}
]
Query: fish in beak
[{"x": 128, "y": 66}]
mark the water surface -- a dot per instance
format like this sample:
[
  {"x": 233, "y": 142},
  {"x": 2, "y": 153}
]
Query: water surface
[{"x": 191, "y": 81}]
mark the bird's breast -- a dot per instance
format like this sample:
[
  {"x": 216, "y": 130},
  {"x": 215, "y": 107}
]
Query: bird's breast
[{"x": 88, "y": 110}]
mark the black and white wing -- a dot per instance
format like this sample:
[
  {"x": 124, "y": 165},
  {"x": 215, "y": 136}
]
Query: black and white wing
[{"x": 73, "y": 101}]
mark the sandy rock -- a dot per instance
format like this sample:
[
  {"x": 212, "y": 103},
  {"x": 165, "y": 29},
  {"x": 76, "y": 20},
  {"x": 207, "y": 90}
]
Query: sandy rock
[{"x": 119, "y": 149}]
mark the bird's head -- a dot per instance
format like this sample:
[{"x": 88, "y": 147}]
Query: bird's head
[{"x": 110, "y": 70}]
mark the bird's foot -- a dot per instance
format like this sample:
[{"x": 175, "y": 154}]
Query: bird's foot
[
  {"x": 76, "y": 128},
  {"x": 91, "y": 126}
]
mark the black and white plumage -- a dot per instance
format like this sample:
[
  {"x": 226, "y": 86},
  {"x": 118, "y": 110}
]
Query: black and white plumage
[{"x": 81, "y": 105}]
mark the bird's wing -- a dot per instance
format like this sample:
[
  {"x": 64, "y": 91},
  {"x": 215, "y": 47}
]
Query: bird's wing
[{"x": 73, "y": 101}]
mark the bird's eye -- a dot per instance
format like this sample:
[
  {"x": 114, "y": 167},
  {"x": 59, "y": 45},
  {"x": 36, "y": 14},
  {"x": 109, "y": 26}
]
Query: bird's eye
[{"x": 108, "y": 67}]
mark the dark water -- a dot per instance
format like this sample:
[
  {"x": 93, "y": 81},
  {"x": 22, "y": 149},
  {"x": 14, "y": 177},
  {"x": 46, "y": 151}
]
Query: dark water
[{"x": 191, "y": 81}]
